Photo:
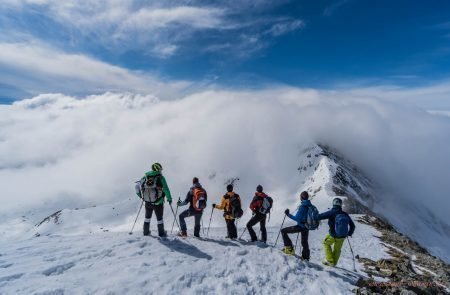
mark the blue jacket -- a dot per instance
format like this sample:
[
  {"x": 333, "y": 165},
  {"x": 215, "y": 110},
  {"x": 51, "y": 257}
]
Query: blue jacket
[
  {"x": 302, "y": 213},
  {"x": 331, "y": 216}
]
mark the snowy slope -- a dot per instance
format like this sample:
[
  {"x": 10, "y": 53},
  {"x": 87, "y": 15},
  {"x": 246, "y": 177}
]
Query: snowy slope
[{"x": 117, "y": 263}]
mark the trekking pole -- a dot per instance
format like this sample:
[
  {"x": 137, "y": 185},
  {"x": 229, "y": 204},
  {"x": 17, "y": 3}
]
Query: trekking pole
[
  {"x": 296, "y": 241},
  {"x": 209, "y": 225},
  {"x": 176, "y": 211},
  {"x": 353, "y": 255},
  {"x": 175, "y": 216},
  {"x": 203, "y": 228},
  {"x": 279, "y": 231},
  {"x": 131, "y": 232},
  {"x": 242, "y": 233}
]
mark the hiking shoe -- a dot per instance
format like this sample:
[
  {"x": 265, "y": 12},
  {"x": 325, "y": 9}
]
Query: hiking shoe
[
  {"x": 288, "y": 250},
  {"x": 327, "y": 263},
  {"x": 164, "y": 234},
  {"x": 182, "y": 234},
  {"x": 197, "y": 236},
  {"x": 305, "y": 259}
]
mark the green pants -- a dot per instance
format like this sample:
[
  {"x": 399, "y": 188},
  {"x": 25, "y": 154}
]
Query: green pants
[{"x": 332, "y": 254}]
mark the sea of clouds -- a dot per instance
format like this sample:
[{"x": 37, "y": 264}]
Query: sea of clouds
[{"x": 61, "y": 151}]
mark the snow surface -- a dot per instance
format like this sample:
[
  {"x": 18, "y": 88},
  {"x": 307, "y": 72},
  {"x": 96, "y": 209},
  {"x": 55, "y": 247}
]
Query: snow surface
[{"x": 119, "y": 263}]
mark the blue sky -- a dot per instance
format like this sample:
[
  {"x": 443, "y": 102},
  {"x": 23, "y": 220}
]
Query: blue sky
[{"x": 83, "y": 47}]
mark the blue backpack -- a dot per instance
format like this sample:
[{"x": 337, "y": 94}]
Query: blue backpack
[
  {"x": 312, "y": 218},
  {"x": 341, "y": 225}
]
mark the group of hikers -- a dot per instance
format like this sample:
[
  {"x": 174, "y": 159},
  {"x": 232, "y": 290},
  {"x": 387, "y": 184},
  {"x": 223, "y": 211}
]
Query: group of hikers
[{"x": 153, "y": 190}]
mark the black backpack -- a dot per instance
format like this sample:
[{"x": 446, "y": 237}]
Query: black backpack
[{"x": 235, "y": 206}]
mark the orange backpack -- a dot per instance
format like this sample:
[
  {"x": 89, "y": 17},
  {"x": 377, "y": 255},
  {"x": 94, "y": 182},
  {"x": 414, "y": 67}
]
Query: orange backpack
[{"x": 199, "y": 199}]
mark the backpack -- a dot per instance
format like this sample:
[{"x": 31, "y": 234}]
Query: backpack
[
  {"x": 150, "y": 189},
  {"x": 312, "y": 218},
  {"x": 235, "y": 206},
  {"x": 199, "y": 199},
  {"x": 341, "y": 224},
  {"x": 261, "y": 204}
]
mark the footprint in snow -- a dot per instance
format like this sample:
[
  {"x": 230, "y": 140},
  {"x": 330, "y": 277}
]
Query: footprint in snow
[
  {"x": 51, "y": 292},
  {"x": 58, "y": 269},
  {"x": 6, "y": 265},
  {"x": 11, "y": 278},
  {"x": 242, "y": 252}
]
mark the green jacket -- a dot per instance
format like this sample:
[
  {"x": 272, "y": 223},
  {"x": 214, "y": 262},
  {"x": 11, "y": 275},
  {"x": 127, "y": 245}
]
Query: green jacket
[{"x": 165, "y": 187}]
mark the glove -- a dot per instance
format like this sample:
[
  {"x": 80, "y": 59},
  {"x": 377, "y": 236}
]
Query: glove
[
  {"x": 170, "y": 202},
  {"x": 214, "y": 205},
  {"x": 179, "y": 203},
  {"x": 286, "y": 211}
]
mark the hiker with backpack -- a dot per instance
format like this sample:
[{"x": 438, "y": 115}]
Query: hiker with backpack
[
  {"x": 196, "y": 198},
  {"x": 231, "y": 204},
  {"x": 260, "y": 206},
  {"x": 306, "y": 218},
  {"x": 152, "y": 189},
  {"x": 341, "y": 226}
]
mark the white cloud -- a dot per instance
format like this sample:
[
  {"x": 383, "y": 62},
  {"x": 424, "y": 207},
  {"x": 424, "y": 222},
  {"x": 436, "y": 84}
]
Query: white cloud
[
  {"x": 285, "y": 27},
  {"x": 35, "y": 67}
]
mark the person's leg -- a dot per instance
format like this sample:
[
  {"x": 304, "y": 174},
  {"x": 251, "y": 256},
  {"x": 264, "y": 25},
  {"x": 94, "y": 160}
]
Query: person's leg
[
  {"x": 182, "y": 216},
  {"x": 228, "y": 221},
  {"x": 262, "y": 225},
  {"x": 233, "y": 229},
  {"x": 337, "y": 249},
  {"x": 305, "y": 245},
  {"x": 254, "y": 220},
  {"x": 327, "y": 243},
  {"x": 198, "y": 217},
  {"x": 159, "y": 212},
  {"x": 289, "y": 230},
  {"x": 148, "y": 217}
]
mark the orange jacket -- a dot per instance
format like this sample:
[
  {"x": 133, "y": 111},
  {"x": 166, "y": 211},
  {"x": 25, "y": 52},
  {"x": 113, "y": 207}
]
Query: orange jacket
[{"x": 225, "y": 205}]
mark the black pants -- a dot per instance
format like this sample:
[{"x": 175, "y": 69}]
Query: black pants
[
  {"x": 159, "y": 211},
  {"x": 296, "y": 229},
  {"x": 231, "y": 228},
  {"x": 198, "y": 217},
  {"x": 261, "y": 218}
]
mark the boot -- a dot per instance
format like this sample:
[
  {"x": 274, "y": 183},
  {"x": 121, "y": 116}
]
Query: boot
[
  {"x": 161, "y": 231},
  {"x": 146, "y": 228},
  {"x": 288, "y": 250},
  {"x": 182, "y": 234}
]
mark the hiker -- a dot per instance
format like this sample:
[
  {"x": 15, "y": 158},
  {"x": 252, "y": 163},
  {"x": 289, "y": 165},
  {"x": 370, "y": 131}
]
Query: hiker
[
  {"x": 231, "y": 204},
  {"x": 339, "y": 223},
  {"x": 300, "y": 218},
  {"x": 260, "y": 206},
  {"x": 152, "y": 188},
  {"x": 196, "y": 197}
]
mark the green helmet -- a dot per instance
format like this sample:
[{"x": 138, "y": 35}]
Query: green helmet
[
  {"x": 337, "y": 202},
  {"x": 157, "y": 167}
]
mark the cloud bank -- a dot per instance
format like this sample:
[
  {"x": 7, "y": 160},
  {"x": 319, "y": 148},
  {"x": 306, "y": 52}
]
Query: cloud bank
[{"x": 88, "y": 151}]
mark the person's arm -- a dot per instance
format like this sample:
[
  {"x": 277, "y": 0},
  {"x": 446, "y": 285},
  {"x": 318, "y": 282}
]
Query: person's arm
[
  {"x": 352, "y": 226},
  {"x": 166, "y": 190},
  {"x": 186, "y": 201},
  {"x": 299, "y": 215},
  {"x": 325, "y": 215},
  {"x": 222, "y": 204}
]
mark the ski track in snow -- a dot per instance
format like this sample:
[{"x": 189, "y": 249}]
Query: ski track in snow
[{"x": 118, "y": 263}]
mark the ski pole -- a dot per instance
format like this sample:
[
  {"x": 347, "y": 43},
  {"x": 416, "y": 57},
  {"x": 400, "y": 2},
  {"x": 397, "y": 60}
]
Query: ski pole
[
  {"x": 203, "y": 228},
  {"x": 209, "y": 225},
  {"x": 296, "y": 241},
  {"x": 176, "y": 211},
  {"x": 242, "y": 233},
  {"x": 131, "y": 232},
  {"x": 175, "y": 217},
  {"x": 353, "y": 255},
  {"x": 279, "y": 231}
]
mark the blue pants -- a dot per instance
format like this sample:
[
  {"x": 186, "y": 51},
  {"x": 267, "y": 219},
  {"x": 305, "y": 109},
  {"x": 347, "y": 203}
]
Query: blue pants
[{"x": 191, "y": 212}]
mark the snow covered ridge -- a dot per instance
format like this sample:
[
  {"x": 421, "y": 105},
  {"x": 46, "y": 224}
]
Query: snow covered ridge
[{"x": 88, "y": 250}]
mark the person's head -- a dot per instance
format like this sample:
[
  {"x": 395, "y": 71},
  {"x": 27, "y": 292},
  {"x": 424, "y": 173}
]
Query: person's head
[
  {"x": 259, "y": 188},
  {"x": 304, "y": 196},
  {"x": 157, "y": 167},
  {"x": 229, "y": 188},
  {"x": 195, "y": 180},
  {"x": 337, "y": 203}
]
